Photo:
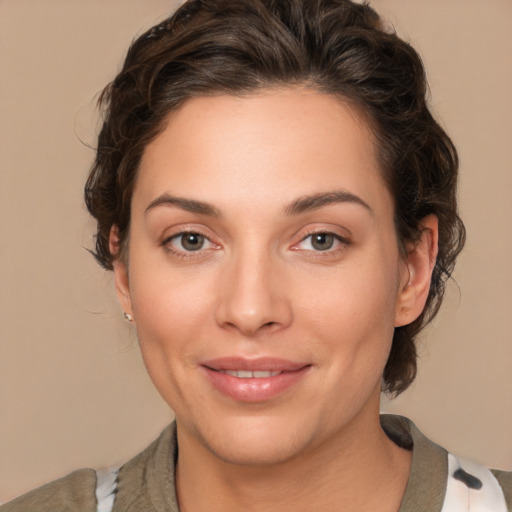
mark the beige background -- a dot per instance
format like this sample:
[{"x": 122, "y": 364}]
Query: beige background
[{"x": 73, "y": 391}]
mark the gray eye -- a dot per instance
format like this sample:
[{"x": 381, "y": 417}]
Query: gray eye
[
  {"x": 192, "y": 241},
  {"x": 322, "y": 241}
]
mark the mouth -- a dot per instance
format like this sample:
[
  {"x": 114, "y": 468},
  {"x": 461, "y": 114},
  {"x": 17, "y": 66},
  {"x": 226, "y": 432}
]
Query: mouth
[
  {"x": 254, "y": 380},
  {"x": 244, "y": 374},
  {"x": 243, "y": 366}
]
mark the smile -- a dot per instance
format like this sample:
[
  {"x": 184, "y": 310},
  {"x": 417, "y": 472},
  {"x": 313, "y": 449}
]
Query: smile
[
  {"x": 254, "y": 380},
  {"x": 245, "y": 374}
]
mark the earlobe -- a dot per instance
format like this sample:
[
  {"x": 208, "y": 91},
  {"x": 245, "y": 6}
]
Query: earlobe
[
  {"x": 121, "y": 279},
  {"x": 415, "y": 283}
]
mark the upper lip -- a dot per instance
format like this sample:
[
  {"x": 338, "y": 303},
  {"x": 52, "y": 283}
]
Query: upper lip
[{"x": 253, "y": 364}]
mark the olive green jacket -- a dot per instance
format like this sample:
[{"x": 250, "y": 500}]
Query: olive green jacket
[{"x": 146, "y": 483}]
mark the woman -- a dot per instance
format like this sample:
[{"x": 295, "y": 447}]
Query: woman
[{"x": 278, "y": 207}]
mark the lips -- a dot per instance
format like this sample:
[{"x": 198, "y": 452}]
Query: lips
[
  {"x": 253, "y": 380},
  {"x": 252, "y": 365}
]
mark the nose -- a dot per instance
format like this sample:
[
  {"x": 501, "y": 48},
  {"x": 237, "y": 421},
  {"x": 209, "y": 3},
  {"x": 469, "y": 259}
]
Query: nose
[{"x": 253, "y": 296}]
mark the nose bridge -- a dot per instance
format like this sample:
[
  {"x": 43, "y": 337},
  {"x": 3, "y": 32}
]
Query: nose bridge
[{"x": 252, "y": 295}]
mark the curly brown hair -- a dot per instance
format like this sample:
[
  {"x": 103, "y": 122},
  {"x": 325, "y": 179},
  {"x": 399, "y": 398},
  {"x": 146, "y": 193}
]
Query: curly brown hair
[{"x": 239, "y": 46}]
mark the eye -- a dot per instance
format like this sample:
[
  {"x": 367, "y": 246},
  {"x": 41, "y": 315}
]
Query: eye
[
  {"x": 321, "y": 242},
  {"x": 189, "y": 242}
]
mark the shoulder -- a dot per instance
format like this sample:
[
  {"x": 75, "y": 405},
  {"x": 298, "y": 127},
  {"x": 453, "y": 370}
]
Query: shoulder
[
  {"x": 75, "y": 492},
  {"x": 504, "y": 478},
  {"x": 444, "y": 482},
  {"x": 144, "y": 484}
]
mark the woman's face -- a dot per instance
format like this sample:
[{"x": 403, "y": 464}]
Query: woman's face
[{"x": 264, "y": 272}]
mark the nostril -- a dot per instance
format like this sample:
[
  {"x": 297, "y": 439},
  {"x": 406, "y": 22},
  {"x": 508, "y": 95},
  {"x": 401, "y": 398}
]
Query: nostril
[{"x": 264, "y": 326}]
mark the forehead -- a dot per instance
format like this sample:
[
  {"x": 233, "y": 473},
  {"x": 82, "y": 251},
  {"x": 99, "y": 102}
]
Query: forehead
[{"x": 276, "y": 145}]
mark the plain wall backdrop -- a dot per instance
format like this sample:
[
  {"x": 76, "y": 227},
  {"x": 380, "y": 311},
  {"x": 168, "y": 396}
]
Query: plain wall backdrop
[{"x": 73, "y": 390}]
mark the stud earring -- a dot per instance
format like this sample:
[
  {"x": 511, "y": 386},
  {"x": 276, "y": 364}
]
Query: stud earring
[{"x": 128, "y": 317}]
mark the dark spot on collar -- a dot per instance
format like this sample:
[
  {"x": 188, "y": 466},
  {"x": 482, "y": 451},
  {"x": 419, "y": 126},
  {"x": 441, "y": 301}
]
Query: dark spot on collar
[{"x": 471, "y": 481}]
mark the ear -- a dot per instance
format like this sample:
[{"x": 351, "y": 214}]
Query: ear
[
  {"x": 417, "y": 273},
  {"x": 120, "y": 275}
]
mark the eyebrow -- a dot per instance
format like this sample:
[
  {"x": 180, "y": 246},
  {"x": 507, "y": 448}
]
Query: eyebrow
[
  {"x": 300, "y": 205},
  {"x": 189, "y": 205},
  {"x": 315, "y": 201}
]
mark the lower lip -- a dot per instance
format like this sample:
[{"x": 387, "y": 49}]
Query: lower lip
[{"x": 252, "y": 389}]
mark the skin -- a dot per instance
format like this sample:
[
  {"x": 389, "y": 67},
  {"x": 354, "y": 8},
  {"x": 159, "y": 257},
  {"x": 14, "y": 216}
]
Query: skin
[{"x": 261, "y": 286}]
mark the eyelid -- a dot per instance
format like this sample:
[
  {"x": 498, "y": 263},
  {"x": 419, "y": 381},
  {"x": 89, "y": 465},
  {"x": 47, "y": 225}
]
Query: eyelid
[
  {"x": 181, "y": 234},
  {"x": 182, "y": 252},
  {"x": 183, "y": 229},
  {"x": 342, "y": 241}
]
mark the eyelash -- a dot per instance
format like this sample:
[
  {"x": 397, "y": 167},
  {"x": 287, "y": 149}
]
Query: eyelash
[
  {"x": 184, "y": 254},
  {"x": 340, "y": 241}
]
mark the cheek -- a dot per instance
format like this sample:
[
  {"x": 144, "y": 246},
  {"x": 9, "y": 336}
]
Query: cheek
[
  {"x": 169, "y": 318},
  {"x": 351, "y": 314},
  {"x": 172, "y": 311},
  {"x": 162, "y": 296},
  {"x": 358, "y": 296}
]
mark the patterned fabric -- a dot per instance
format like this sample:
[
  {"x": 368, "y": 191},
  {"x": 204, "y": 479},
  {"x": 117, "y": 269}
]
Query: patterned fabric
[
  {"x": 472, "y": 488},
  {"x": 106, "y": 488}
]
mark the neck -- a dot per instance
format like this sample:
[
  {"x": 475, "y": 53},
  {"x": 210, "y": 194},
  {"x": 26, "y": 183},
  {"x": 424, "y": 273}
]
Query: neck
[{"x": 336, "y": 475}]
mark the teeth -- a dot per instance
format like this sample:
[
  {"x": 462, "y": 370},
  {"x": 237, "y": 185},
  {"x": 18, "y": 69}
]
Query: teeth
[
  {"x": 244, "y": 374},
  {"x": 264, "y": 374}
]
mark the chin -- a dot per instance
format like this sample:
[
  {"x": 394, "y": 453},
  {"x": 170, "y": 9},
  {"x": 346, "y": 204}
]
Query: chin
[
  {"x": 254, "y": 441},
  {"x": 256, "y": 451}
]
